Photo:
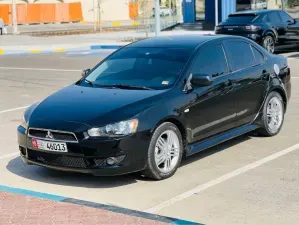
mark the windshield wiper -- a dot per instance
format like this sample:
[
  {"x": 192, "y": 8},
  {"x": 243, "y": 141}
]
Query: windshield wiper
[
  {"x": 123, "y": 86},
  {"x": 89, "y": 82}
]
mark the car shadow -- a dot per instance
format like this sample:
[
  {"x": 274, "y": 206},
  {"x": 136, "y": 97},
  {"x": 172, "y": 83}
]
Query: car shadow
[
  {"x": 44, "y": 175},
  {"x": 293, "y": 56},
  {"x": 216, "y": 149}
]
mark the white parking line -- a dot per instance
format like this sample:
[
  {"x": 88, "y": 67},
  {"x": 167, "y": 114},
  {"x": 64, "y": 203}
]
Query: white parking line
[
  {"x": 37, "y": 69},
  {"x": 15, "y": 109},
  {"x": 9, "y": 155},
  {"x": 221, "y": 179}
]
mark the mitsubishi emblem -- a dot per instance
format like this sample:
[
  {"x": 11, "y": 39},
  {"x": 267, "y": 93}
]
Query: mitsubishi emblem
[{"x": 49, "y": 135}]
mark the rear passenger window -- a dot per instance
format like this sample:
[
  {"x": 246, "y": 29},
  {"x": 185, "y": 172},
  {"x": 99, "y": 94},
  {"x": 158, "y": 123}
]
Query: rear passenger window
[
  {"x": 240, "y": 54},
  {"x": 259, "y": 57},
  {"x": 274, "y": 18},
  {"x": 211, "y": 61}
]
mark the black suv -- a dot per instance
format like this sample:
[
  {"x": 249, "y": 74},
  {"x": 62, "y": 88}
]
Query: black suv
[{"x": 269, "y": 28}]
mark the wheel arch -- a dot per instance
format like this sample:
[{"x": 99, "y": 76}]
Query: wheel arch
[
  {"x": 179, "y": 124},
  {"x": 283, "y": 94},
  {"x": 272, "y": 33}
]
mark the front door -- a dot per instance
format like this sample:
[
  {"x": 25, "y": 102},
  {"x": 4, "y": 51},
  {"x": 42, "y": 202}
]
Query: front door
[
  {"x": 214, "y": 107},
  {"x": 277, "y": 24},
  {"x": 292, "y": 28}
]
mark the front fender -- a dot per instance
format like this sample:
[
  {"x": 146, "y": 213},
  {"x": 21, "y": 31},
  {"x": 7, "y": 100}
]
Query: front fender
[{"x": 170, "y": 109}]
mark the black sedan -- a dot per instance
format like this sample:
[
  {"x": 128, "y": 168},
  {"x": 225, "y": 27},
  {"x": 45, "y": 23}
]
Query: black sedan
[
  {"x": 152, "y": 102},
  {"x": 269, "y": 28}
]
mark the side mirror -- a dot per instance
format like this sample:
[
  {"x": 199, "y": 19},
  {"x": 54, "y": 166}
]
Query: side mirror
[
  {"x": 85, "y": 72},
  {"x": 201, "y": 80},
  {"x": 291, "y": 22}
]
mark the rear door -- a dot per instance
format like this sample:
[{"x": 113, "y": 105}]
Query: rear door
[{"x": 247, "y": 65}]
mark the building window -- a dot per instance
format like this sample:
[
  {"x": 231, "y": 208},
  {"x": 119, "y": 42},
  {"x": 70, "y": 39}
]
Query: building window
[
  {"x": 243, "y": 5},
  {"x": 200, "y": 9},
  {"x": 259, "y": 4},
  {"x": 292, "y": 7}
]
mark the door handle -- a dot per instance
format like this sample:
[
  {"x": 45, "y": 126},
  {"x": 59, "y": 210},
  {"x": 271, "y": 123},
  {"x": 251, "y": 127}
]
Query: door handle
[
  {"x": 229, "y": 83},
  {"x": 228, "y": 86}
]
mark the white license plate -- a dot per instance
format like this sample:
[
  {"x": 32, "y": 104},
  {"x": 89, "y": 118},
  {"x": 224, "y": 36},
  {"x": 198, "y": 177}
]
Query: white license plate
[{"x": 49, "y": 145}]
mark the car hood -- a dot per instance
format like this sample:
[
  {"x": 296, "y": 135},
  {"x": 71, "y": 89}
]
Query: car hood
[{"x": 90, "y": 106}]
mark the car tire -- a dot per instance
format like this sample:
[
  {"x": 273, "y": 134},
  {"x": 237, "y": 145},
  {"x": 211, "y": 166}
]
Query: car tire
[
  {"x": 166, "y": 133},
  {"x": 268, "y": 43},
  {"x": 273, "y": 115}
]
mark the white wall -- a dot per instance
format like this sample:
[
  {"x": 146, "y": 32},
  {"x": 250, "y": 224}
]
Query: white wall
[{"x": 110, "y": 10}]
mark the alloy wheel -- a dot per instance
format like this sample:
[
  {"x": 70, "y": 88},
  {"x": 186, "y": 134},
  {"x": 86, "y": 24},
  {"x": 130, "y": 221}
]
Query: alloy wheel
[
  {"x": 274, "y": 114},
  {"x": 269, "y": 44},
  {"x": 167, "y": 151}
]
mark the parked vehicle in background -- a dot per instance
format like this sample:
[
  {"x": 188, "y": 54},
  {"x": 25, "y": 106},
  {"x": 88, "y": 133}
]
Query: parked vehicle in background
[
  {"x": 269, "y": 28},
  {"x": 1, "y": 26},
  {"x": 164, "y": 11},
  {"x": 153, "y": 102}
]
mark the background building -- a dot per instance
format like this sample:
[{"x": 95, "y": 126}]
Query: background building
[
  {"x": 204, "y": 10},
  {"x": 132, "y": 12}
]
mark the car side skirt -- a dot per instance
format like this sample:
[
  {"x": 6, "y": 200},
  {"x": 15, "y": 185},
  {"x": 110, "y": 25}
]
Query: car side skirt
[{"x": 215, "y": 140}]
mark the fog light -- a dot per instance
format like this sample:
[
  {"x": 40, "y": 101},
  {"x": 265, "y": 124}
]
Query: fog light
[
  {"x": 111, "y": 161},
  {"x": 22, "y": 150}
]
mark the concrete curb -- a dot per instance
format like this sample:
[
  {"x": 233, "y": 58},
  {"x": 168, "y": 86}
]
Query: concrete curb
[{"x": 43, "y": 50}]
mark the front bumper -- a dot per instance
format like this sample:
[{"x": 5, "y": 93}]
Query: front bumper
[{"x": 89, "y": 155}]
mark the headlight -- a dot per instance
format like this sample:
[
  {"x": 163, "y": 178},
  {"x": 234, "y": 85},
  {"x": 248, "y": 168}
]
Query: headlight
[
  {"x": 115, "y": 130},
  {"x": 218, "y": 28},
  {"x": 24, "y": 123}
]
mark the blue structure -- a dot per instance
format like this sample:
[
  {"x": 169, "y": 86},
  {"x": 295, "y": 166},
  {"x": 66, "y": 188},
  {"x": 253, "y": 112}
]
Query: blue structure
[{"x": 225, "y": 7}]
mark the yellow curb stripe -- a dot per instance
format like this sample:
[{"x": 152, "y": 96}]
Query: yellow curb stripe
[
  {"x": 60, "y": 50},
  {"x": 1, "y": 51},
  {"x": 35, "y": 51},
  {"x": 116, "y": 24},
  {"x": 135, "y": 23}
]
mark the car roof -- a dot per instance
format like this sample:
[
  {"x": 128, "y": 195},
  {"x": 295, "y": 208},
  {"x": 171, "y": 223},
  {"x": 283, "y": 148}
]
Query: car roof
[
  {"x": 255, "y": 12},
  {"x": 177, "y": 41}
]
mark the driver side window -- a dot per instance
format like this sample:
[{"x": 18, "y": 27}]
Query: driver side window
[{"x": 211, "y": 61}]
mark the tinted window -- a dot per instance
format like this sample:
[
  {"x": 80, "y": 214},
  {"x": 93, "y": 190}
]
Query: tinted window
[
  {"x": 211, "y": 61},
  {"x": 150, "y": 67},
  {"x": 266, "y": 18},
  {"x": 285, "y": 17},
  {"x": 237, "y": 19},
  {"x": 259, "y": 57},
  {"x": 240, "y": 54},
  {"x": 274, "y": 17}
]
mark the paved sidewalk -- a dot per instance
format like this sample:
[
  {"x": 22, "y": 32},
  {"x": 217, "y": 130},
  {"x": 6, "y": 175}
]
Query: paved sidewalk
[
  {"x": 20, "y": 207},
  {"x": 18, "y": 44}
]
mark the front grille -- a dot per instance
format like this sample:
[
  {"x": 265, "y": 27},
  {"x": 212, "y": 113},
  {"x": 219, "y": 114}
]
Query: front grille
[
  {"x": 58, "y": 136},
  {"x": 56, "y": 159}
]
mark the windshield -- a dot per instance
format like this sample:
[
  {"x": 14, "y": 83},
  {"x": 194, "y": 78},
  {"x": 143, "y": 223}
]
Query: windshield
[{"x": 155, "y": 68}]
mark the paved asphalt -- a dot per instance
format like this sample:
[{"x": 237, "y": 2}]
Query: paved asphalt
[{"x": 248, "y": 180}]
